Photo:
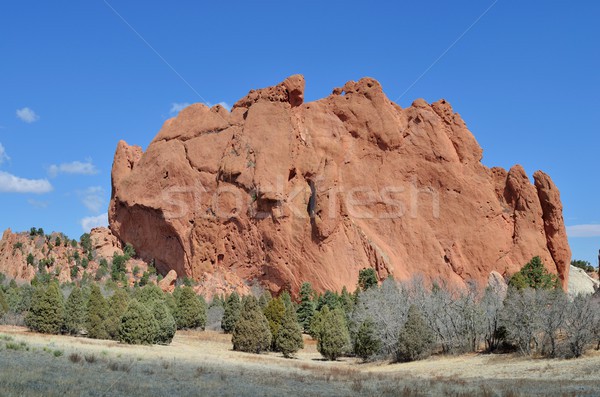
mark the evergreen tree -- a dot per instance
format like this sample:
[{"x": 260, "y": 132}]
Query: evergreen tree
[
  {"x": 3, "y": 303},
  {"x": 159, "y": 304},
  {"x": 97, "y": 311},
  {"x": 191, "y": 313},
  {"x": 367, "y": 278},
  {"x": 346, "y": 301},
  {"x": 306, "y": 309},
  {"x": 289, "y": 337},
  {"x": 265, "y": 297},
  {"x": 366, "y": 343},
  {"x": 150, "y": 294},
  {"x": 166, "y": 325},
  {"x": 287, "y": 300},
  {"x": 534, "y": 275},
  {"x": 232, "y": 312},
  {"x": 138, "y": 325},
  {"x": 329, "y": 299},
  {"x": 117, "y": 305},
  {"x": 75, "y": 312},
  {"x": 416, "y": 339},
  {"x": 251, "y": 332},
  {"x": 275, "y": 312},
  {"x": 47, "y": 312},
  {"x": 331, "y": 332}
]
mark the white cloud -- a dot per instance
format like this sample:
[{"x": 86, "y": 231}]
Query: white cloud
[
  {"x": 13, "y": 184},
  {"x": 177, "y": 107},
  {"x": 38, "y": 204},
  {"x": 27, "y": 115},
  {"x": 76, "y": 167},
  {"x": 589, "y": 230},
  {"x": 224, "y": 104},
  {"x": 93, "y": 198},
  {"x": 90, "y": 222},
  {"x": 3, "y": 155}
]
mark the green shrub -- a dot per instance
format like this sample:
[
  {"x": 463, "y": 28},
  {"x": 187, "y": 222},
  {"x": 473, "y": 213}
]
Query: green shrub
[
  {"x": 165, "y": 322},
  {"x": 138, "y": 325},
  {"x": 366, "y": 343},
  {"x": 585, "y": 265},
  {"x": 251, "y": 332},
  {"x": 534, "y": 275},
  {"x": 3, "y": 303},
  {"x": 191, "y": 313},
  {"x": 232, "y": 312},
  {"x": 117, "y": 305},
  {"x": 46, "y": 314},
  {"x": 97, "y": 311},
  {"x": 289, "y": 337},
  {"x": 367, "y": 278},
  {"x": 75, "y": 312},
  {"x": 331, "y": 332},
  {"x": 275, "y": 312},
  {"x": 306, "y": 309},
  {"x": 416, "y": 339}
]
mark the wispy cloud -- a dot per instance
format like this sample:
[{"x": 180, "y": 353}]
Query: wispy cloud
[
  {"x": 93, "y": 198},
  {"x": 27, "y": 115},
  {"x": 90, "y": 222},
  {"x": 224, "y": 104},
  {"x": 13, "y": 184},
  {"x": 587, "y": 230},
  {"x": 177, "y": 107},
  {"x": 3, "y": 156},
  {"x": 38, "y": 204},
  {"x": 76, "y": 167}
]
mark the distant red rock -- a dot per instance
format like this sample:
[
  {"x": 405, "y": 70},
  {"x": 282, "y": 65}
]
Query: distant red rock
[{"x": 281, "y": 191}]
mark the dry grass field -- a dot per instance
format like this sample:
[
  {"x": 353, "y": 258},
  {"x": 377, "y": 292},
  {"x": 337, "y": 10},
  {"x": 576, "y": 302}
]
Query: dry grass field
[{"x": 203, "y": 364}]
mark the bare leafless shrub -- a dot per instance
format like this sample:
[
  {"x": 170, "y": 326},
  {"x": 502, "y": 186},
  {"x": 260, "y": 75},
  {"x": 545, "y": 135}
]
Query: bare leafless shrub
[
  {"x": 582, "y": 317},
  {"x": 90, "y": 358},
  {"x": 75, "y": 358}
]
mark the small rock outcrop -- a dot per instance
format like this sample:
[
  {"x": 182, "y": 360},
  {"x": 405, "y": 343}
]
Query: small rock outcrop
[{"x": 282, "y": 191}]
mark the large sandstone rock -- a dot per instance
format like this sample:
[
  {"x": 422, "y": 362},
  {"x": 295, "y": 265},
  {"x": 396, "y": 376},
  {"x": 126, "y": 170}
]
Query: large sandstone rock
[
  {"x": 281, "y": 191},
  {"x": 581, "y": 283}
]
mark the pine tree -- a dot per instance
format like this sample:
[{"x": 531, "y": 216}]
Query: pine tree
[
  {"x": 166, "y": 325},
  {"x": 191, "y": 313},
  {"x": 264, "y": 299},
  {"x": 75, "y": 312},
  {"x": 138, "y": 325},
  {"x": 251, "y": 332},
  {"x": 286, "y": 299},
  {"x": 289, "y": 337},
  {"x": 97, "y": 311},
  {"x": 306, "y": 309},
  {"x": 3, "y": 303},
  {"x": 158, "y": 303},
  {"x": 331, "y": 332},
  {"x": 117, "y": 305},
  {"x": 415, "y": 340},
  {"x": 534, "y": 275},
  {"x": 366, "y": 343},
  {"x": 346, "y": 301},
  {"x": 47, "y": 312},
  {"x": 275, "y": 312},
  {"x": 367, "y": 278},
  {"x": 232, "y": 312}
]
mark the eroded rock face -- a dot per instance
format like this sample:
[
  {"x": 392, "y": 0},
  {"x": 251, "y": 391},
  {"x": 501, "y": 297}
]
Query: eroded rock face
[{"x": 283, "y": 191}]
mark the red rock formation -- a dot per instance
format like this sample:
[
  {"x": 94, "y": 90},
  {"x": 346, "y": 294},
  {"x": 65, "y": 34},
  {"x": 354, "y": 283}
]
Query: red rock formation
[{"x": 282, "y": 192}]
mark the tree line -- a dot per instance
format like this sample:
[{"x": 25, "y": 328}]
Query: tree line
[{"x": 398, "y": 321}]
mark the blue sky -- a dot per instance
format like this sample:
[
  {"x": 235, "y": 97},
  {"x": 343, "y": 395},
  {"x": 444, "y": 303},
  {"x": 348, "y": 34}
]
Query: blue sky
[{"x": 75, "y": 78}]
